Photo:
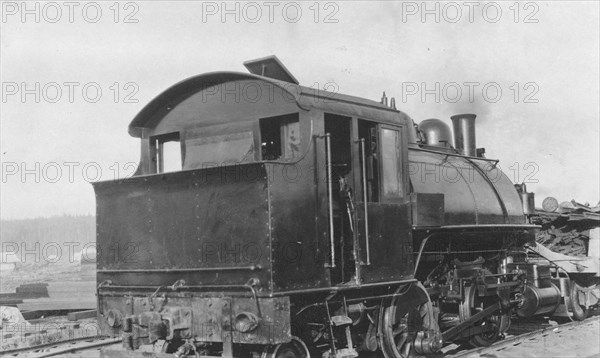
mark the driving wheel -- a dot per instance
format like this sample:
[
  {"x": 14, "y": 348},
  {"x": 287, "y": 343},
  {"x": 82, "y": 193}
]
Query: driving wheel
[
  {"x": 491, "y": 326},
  {"x": 400, "y": 323}
]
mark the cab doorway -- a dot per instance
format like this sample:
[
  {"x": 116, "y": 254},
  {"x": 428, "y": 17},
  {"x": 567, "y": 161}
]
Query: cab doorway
[{"x": 342, "y": 183}]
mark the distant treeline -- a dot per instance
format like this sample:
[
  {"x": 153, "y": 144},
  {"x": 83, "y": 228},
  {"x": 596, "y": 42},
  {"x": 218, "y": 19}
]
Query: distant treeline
[{"x": 35, "y": 240}]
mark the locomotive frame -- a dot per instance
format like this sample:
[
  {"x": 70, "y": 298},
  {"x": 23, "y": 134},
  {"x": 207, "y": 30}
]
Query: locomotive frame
[{"x": 302, "y": 222}]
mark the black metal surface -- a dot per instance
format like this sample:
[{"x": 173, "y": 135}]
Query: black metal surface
[
  {"x": 256, "y": 238},
  {"x": 297, "y": 261},
  {"x": 475, "y": 192},
  {"x": 427, "y": 209},
  {"x": 391, "y": 243},
  {"x": 203, "y": 226}
]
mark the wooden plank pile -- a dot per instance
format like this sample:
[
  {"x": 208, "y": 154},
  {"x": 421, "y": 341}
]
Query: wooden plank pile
[{"x": 566, "y": 229}]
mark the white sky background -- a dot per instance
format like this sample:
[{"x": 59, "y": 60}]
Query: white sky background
[{"x": 370, "y": 49}]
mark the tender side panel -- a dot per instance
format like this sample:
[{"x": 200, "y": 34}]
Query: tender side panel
[{"x": 206, "y": 226}]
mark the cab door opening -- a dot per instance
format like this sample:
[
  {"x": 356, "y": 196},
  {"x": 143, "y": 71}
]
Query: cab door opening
[{"x": 342, "y": 180}]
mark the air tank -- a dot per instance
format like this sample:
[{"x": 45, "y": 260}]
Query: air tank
[
  {"x": 436, "y": 132},
  {"x": 464, "y": 134}
]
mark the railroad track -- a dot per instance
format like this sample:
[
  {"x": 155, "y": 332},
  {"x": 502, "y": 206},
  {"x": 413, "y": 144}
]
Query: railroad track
[
  {"x": 79, "y": 347},
  {"x": 572, "y": 339}
]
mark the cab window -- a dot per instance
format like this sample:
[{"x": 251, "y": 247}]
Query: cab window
[
  {"x": 280, "y": 137},
  {"x": 391, "y": 163},
  {"x": 166, "y": 153},
  {"x": 219, "y": 149}
]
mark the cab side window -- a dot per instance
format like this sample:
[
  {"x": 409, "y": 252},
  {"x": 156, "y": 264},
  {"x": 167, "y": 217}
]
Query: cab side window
[
  {"x": 280, "y": 137},
  {"x": 166, "y": 153},
  {"x": 391, "y": 163}
]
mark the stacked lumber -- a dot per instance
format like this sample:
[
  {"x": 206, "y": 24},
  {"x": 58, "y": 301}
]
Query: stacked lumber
[
  {"x": 564, "y": 241},
  {"x": 566, "y": 226}
]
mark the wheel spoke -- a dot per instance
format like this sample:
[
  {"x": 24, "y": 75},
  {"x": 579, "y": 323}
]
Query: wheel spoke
[
  {"x": 471, "y": 306},
  {"x": 398, "y": 325},
  {"x": 401, "y": 341},
  {"x": 399, "y": 329}
]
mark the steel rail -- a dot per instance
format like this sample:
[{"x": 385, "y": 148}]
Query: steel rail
[
  {"x": 45, "y": 345},
  {"x": 480, "y": 351},
  {"x": 34, "y": 351},
  {"x": 78, "y": 348}
]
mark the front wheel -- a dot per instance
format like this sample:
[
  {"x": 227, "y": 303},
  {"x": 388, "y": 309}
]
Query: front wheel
[
  {"x": 492, "y": 326},
  {"x": 577, "y": 295}
]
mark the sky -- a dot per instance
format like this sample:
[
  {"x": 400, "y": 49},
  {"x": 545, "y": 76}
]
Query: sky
[{"x": 74, "y": 74}]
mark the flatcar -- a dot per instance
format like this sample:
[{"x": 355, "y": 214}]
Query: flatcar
[{"x": 270, "y": 219}]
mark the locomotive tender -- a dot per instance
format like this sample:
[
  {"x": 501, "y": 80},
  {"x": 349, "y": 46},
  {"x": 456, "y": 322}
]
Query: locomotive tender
[{"x": 275, "y": 220}]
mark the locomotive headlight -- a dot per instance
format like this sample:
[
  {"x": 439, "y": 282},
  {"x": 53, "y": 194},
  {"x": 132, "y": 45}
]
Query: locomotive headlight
[{"x": 246, "y": 322}]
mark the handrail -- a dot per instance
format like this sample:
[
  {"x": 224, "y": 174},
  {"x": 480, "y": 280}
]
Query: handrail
[
  {"x": 180, "y": 284},
  {"x": 495, "y": 161},
  {"x": 364, "y": 187},
  {"x": 330, "y": 198},
  {"x": 178, "y": 270}
]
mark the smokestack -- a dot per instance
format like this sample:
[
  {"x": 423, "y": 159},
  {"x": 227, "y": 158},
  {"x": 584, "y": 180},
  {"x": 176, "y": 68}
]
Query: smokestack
[{"x": 464, "y": 134}]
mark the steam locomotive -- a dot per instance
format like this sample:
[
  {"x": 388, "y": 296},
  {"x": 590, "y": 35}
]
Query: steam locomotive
[{"x": 276, "y": 220}]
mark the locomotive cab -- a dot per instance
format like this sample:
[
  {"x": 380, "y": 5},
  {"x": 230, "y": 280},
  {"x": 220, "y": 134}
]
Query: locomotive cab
[{"x": 269, "y": 217}]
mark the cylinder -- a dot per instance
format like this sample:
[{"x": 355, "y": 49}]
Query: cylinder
[
  {"x": 539, "y": 300},
  {"x": 464, "y": 134}
]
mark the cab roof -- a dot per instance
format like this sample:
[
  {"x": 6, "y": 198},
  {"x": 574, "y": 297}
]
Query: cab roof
[{"x": 306, "y": 98}]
